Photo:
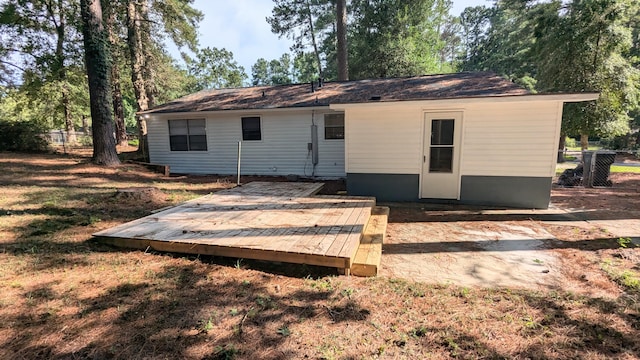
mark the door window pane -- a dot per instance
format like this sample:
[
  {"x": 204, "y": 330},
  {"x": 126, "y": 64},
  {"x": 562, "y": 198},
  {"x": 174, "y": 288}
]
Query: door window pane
[
  {"x": 442, "y": 132},
  {"x": 441, "y": 160}
]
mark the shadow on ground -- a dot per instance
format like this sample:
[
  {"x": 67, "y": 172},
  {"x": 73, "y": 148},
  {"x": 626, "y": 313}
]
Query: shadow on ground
[{"x": 66, "y": 297}]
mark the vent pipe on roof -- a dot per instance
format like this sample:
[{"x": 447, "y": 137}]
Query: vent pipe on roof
[
  {"x": 320, "y": 82},
  {"x": 313, "y": 87}
]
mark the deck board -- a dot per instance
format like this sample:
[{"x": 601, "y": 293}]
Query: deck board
[{"x": 273, "y": 221}]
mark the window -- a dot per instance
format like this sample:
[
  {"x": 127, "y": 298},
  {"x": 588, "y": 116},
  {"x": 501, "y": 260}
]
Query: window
[
  {"x": 251, "y": 128},
  {"x": 188, "y": 135},
  {"x": 334, "y": 126},
  {"x": 441, "y": 151}
]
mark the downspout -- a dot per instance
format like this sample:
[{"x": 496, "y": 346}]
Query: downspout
[{"x": 314, "y": 143}]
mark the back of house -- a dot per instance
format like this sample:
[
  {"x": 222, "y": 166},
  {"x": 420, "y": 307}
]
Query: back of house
[{"x": 472, "y": 138}]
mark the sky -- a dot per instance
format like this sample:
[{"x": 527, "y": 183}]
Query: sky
[{"x": 240, "y": 27}]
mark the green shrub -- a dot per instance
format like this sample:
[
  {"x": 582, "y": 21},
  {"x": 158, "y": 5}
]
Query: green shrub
[
  {"x": 85, "y": 140},
  {"x": 570, "y": 142},
  {"x": 22, "y": 136}
]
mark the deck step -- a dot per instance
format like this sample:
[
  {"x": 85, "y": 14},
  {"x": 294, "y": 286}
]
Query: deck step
[{"x": 367, "y": 259}]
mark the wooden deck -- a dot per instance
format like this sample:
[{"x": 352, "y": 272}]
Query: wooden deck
[{"x": 269, "y": 221}]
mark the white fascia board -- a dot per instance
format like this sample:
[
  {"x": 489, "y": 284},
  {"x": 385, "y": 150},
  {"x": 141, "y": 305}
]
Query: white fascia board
[{"x": 577, "y": 97}]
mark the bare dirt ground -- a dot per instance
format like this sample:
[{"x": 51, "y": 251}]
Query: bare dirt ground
[
  {"x": 471, "y": 246},
  {"x": 65, "y": 296},
  {"x": 483, "y": 253}
]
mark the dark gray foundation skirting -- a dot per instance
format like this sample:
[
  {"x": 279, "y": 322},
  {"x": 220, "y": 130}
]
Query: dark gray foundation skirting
[
  {"x": 385, "y": 187},
  {"x": 510, "y": 191},
  {"x": 513, "y": 191}
]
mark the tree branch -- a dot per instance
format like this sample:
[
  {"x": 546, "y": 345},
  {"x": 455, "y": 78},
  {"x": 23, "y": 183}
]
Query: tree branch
[
  {"x": 12, "y": 64},
  {"x": 20, "y": 51},
  {"x": 49, "y": 7}
]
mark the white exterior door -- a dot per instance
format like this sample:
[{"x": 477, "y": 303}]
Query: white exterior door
[{"x": 441, "y": 156}]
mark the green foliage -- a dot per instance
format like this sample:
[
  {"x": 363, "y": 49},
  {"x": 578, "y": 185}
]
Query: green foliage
[
  {"x": 22, "y": 136},
  {"x": 214, "y": 68},
  {"x": 473, "y": 21},
  {"x": 179, "y": 21},
  {"x": 284, "y": 331},
  {"x": 570, "y": 142},
  {"x": 260, "y": 72},
  {"x": 228, "y": 352},
  {"x": 171, "y": 82},
  {"x": 385, "y": 38},
  {"x": 629, "y": 279},
  {"x": 308, "y": 23},
  {"x": 624, "y": 242},
  {"x": 280, "y": 70},
  {"x": 583, "y": 47},
  {"x": 453, "y": 45},
  {"x": 304, "y": 69},
  {"x": 396, "y": 38},
  {"x": 284, "y": 70},
  {"x": 41, "y": 40},
  {"x": 498, "y": 39},
  {"x": 562, "y": 46},
  {"x": 206, "y": 325}
]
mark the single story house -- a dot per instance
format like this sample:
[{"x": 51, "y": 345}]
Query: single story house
[{"x": 472, "y": 138}]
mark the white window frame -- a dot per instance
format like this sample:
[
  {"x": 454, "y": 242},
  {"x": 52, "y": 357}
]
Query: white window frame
[
  {"x": 188, "y": 135},
  {"x": 333, "y": 126}
]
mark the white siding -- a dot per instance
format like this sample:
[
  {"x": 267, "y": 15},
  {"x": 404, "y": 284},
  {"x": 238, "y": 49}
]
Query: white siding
[
  {"x": 516, "y": 139},
  {"x": 499, "y": 139},
  {"x": 282, "y": 150},
  {"x": 386, "y": 141}
]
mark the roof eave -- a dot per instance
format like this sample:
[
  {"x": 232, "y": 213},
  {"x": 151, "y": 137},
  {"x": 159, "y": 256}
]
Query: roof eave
[
  {"x": 568, "y": 97},
  {"x": 150, "y": 113},
  {"x": 565, "y": 97}
]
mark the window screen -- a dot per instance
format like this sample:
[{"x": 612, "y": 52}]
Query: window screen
[
  {"x": 334, "y": 126},
  {"x": 251, "y": 128},
  {"x": 442, "y": 132},
  {"x": 188, "y": 135},
  {"x": 441, "y": 150}
]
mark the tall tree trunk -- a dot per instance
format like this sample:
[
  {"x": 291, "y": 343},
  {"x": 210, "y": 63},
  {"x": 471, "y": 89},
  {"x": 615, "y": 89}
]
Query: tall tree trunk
[
  {"x": 561, "y": 145},
  {"x": 116, "y": 94},
  {"x": 68, "y": 119},
  {"x": 60, "y": 25},
  {"x": 118, "y": 108},
  {"x": 147, "y": 50},
  {"x": 341, "y": 33},
  {"x": 313, "y": 39},
  {"x": 137, "y": 71},
  {"x": 584, "y": 141},
  {"x": 96, "y": 54}
]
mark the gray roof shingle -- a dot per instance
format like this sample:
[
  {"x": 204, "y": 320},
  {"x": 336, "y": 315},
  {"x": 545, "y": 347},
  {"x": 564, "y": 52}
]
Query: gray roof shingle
[{"x": 429, "y": 87}]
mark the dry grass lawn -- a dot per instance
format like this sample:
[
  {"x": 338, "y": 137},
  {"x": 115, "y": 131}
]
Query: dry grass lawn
[{"x": 65, "y": 296}]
